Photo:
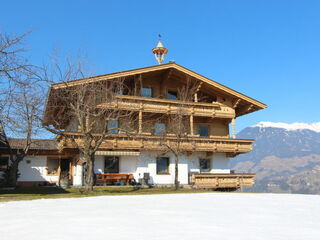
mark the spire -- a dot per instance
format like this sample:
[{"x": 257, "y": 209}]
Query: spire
[{"x": 159, "y": 51}]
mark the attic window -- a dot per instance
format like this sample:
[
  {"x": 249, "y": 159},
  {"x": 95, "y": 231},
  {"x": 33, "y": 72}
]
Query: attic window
[
  {"x": 172, "y": 95},
  {"x": 122, "y": 91},
  {"x": 146, "y": 92}
]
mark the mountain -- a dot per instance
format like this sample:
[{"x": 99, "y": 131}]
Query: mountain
[{"x": 285, "y": 157}]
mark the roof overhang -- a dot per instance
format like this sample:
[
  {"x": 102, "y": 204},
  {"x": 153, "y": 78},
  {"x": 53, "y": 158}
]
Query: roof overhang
[{"x": 246, "y": 105}]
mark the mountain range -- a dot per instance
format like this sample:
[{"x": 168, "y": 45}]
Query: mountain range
[{"x": 285, "y": 157}]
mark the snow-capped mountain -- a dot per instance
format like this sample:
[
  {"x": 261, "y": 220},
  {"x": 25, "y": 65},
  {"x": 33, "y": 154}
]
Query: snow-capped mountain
[
  {"x": 290, "y": 126},
  {"x": 281, "y": 153}
]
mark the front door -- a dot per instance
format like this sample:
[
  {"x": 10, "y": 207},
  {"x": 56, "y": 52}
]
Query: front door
[{"x": 65, "y": 169}]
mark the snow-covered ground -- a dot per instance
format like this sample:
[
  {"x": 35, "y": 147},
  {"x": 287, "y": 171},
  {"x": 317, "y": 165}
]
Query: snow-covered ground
[{"x": 176, "y": 216}]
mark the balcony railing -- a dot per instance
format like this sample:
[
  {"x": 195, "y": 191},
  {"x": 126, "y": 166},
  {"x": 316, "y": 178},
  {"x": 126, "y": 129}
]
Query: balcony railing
[
  {"x": 222, "y": 181},
  {"x": 158, "y": 143},
  {"x": 157, "y": 105}
]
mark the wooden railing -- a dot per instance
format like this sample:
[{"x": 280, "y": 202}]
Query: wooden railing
[
  {"x": 157, "y": 143},
  {"x": 157, "y": 105},
  {"x": 222, "y": 181}
]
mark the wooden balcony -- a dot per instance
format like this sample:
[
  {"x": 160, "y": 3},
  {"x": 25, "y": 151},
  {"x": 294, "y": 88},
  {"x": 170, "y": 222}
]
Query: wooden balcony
[
  {"x": 222, "y": 181},
  {"x": 157, "y": 143},
  {"x": 157, "y": 105}
]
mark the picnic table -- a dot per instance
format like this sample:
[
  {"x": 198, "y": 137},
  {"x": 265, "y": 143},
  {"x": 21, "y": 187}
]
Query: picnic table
[{"x": 104, "y": 179}]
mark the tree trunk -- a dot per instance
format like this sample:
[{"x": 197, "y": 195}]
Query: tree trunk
[
  {"x": 12, "y": 173},
  {"x": 176, "y": 173},
  {"x": 89, "y": 176}
]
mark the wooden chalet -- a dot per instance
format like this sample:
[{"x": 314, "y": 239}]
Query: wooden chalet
[{"x": 207, "y": 147}]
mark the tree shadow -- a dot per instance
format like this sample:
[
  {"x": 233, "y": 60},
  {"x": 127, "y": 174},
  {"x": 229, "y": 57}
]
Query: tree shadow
[{"x": 34, "y": 191}]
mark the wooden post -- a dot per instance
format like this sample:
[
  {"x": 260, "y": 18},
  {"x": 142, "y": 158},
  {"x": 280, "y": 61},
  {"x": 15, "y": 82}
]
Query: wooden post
[
  {"x": 140, "y": 121},
  {"x": 191, "y": 125},
  {"x": 233, "y": 123}
]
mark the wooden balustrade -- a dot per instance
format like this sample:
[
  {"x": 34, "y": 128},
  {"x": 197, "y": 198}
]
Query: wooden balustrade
[
  {"x": 157, "y": 105},
  {"x": 222, "y": 181},
  {"x": 156, "y": 143}
]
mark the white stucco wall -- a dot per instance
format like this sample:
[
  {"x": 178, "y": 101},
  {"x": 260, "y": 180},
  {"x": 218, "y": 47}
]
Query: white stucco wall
[
  {"x": 99, "y": 164},
  {"x": 77, "y": 175},
  {"x": 220, "y": 163},
  {"x": 146, "y": 163},
  {"x": 36, "y": 170},
  {"x": 137, "y": 165}
]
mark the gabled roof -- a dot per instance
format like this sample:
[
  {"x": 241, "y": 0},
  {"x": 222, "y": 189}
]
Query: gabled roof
[{"x": 220, "y": 87}]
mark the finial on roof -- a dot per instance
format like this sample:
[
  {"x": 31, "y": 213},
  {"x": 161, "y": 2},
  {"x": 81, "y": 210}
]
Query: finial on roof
[{"x": 159, "y": 51}]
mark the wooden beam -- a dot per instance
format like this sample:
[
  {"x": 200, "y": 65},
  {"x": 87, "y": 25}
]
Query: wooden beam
[
  {"x": 191, "y": 125},
  {"x": 245, "y": 110},
  {"x": 199, "y": 87},
  {"x": 140, "y": 121},
  {"x": 233, "y": 122},
  {"x": 236, "y": 103},
  {"x": 164, "y": 79}
]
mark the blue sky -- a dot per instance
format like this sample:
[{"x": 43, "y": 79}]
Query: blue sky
[{"x": 268, "y": 50}]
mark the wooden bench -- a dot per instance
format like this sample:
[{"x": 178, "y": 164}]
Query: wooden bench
[{"x": 104, "y": 179}]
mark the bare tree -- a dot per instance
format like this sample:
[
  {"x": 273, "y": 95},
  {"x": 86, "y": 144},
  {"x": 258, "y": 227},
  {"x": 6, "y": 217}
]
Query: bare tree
[
  {"x": 21, "y": 99},
  {"x": 21, "y": 121},
  {"x": 75, "y": 116},
  {"x": 178, "y": 126},
  {"x": 12, "y": 63}
]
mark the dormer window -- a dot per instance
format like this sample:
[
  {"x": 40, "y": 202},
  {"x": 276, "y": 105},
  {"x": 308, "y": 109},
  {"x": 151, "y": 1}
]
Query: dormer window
[
  {"x": 172, "y": 95},
  {"x": 146, "y": 92}
]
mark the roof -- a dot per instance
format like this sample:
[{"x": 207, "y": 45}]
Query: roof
[
  {"x": 37, "y": 144},
  {"x": 178, "y": 67}
]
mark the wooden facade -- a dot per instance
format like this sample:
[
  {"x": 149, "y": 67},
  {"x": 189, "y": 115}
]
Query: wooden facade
[{"x": 213, "y": 105}]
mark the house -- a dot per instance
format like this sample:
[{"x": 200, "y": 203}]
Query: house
[{"x": 207, "y": 147}]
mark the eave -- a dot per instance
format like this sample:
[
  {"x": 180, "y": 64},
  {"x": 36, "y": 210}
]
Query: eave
[{"x": 247, "y": 104}]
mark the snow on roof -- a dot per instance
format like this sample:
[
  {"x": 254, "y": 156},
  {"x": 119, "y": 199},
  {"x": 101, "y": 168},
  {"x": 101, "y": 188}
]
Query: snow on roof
[{"x": 290, "y": 126}]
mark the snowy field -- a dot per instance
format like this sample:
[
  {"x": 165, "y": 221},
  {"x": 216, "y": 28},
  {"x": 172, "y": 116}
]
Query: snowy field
[{"x": 178, "y": 216}]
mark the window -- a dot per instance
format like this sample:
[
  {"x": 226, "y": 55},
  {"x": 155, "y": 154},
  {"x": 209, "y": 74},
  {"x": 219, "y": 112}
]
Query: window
[
  {"x": 172, "y": 95},
  {"x": 146, "y": 92},
  {"x": 52, "y": 166},
  {"x": 159, "y": 129},
  {"x": 204, "y": 165},
  {"x": 202, "y": 97},
  {"x": 203, "y": 131},
  {"x": 4, "y": 163},
  {"x": 162, "y": 165},
  {"x": 113, "y": 126},
  {"x": 122, "y": 90},
  {"x": 111, "y": 164}
]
